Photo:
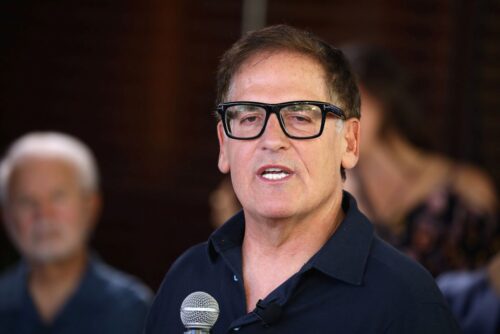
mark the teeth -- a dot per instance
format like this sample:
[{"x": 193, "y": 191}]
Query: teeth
[
  {"x": 273, "y": 170},
  {"x": 274, "y": 174}
]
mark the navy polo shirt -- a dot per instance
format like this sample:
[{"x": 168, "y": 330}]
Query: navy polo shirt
[
  {"x": 106, "y": 302},
  {"x": 355, "y": 283}
]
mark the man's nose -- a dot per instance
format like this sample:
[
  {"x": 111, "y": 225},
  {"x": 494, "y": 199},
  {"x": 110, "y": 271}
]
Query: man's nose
[
  {"x": 43, "y": 210},
  {"x": 273, "y": 137}
]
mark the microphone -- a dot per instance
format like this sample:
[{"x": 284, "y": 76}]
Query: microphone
[
  {"x": 268, "y": 313},
  {"x": 199, "y": 312}
]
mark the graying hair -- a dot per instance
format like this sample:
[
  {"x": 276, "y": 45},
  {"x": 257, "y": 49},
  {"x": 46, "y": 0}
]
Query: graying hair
[{"x": 50, "y": 145}]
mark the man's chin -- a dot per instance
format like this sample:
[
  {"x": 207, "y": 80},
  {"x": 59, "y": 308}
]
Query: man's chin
[
  {"x": 49, "y": 256},
  {"x": 276, "y": 212}
]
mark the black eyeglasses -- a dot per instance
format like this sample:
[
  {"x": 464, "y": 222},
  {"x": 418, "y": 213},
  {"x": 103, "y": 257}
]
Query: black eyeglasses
[{"x": 298, "y": 119}]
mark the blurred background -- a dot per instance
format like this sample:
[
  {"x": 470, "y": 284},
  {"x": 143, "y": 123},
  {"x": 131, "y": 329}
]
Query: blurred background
[{"x": 135, "y": 80}]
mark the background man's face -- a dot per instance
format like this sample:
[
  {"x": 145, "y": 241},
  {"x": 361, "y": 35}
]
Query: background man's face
[
  {"x": 48, "y": 215},
  {"x": 311, "y": 167}
]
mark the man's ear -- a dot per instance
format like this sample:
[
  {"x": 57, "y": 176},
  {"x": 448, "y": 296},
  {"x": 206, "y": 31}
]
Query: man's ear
[
  {"x": 223, "y": 158},
  {"x": 351, "y": 137}
]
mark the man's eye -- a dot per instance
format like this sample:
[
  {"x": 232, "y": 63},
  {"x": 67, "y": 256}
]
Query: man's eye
[
  {"x": 24, "y": 203},
  {"x": 250, "y": 119},
  {"x": 300, "y": 118}
]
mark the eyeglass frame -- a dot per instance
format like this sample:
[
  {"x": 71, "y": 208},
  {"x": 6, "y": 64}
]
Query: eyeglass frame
[{"x": 275, "y": 108}]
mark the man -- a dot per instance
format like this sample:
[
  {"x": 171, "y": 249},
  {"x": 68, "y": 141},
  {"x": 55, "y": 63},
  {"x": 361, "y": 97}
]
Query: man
[
  {"x": 300, "y": 257},
  {"x": 49, "y": 191}
]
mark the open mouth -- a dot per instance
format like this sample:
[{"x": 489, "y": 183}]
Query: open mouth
[{"x": 274, "y": 174}]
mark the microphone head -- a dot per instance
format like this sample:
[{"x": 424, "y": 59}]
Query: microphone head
[{"x": 199, "y": 310}]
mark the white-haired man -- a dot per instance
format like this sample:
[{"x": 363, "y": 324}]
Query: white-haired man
[{"x": 49, "y": 192}]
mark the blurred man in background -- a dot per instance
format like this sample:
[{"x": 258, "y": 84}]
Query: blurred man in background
[{"x": 49, "y": 192}]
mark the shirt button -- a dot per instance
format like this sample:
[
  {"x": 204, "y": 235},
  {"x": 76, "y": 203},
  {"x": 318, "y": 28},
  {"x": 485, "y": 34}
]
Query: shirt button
[
  {"x": 236, "y": 329},
  {"x": 235, "y": 279}
]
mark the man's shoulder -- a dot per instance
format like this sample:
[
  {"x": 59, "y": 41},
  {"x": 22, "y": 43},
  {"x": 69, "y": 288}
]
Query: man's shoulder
[
  {"x": 401, "y": 276},
  {"x": 10, "y": 274},
  {"x": 189, "y": 273},
  {"x": 460, "y": 282},
  {"x": 198, "y": 253},
  {"x": 194, "y": 262},
  {"x": 466, "y": 291},
  {"x": 411, "y": 298},
  {"x": 11, "y": 285},
  {"x": 118, "y": 285},
  {"x": 193, "y": 270}
]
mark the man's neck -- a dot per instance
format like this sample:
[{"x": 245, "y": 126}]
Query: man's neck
[
  {"x": 274, "y": 250},
  {"x": 51, "y": 284},
  {"x": 282, "y": 235}
]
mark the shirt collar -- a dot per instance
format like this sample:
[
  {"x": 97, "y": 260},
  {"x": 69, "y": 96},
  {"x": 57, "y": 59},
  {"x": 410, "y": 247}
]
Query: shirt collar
[
  {"x": 227, "y": 236},
  {"x": 343, "y": 256}
]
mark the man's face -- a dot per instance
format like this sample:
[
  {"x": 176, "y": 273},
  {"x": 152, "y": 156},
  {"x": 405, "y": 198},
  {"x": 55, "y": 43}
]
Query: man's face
[
  {"x": 276, "y": 177},
  {"x": 48, "y": 215}
]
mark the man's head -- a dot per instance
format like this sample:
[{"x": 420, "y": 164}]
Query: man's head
[
  {"x": 337, "y": 74},
  {"x": 274, "y": 174},
  {"x": 49, "y": 191}
]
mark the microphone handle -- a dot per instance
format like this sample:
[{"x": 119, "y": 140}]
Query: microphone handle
[{"x": 197, "y": 331}]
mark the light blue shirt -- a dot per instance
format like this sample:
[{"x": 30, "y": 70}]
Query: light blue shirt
[{"x": 472, "y": 300}]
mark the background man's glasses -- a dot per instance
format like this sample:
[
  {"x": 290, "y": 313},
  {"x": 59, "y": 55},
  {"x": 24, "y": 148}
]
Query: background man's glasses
[{"x": 298, "y": 119}]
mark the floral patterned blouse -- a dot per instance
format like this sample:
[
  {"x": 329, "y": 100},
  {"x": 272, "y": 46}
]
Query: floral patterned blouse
[{"x": 443, "y": 234}]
